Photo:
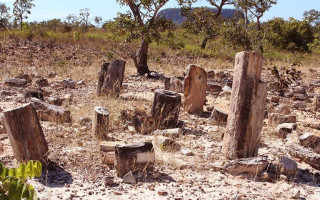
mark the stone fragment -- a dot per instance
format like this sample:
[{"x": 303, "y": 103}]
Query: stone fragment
[
  {"x": 213, "y": 87},
  {"x": 52, "y": 113},
  {"x": 299, "y": 105},
  {"x": 311, "y": 141},
  {"x": 284, "y": 129},
  {"x": 26, "y": 77},
  {"x": 275, "y": 99},
  {"x": 42, "y": 82},
  {"x": 227, "y": 89},
  {"x": 55, "y": 101},
  {"x": 134, "y": 157},
  {"x": 68, "y": 83},
  {"x": 211, "y": 74},
  {"x": 186, "y": 152},
  {"x": 173, "y": 84},
  {"x": 195, "y": 87},
  {"x": 129, "y": 178},
  {"x": 33, "y": 94},
  {"x": 311, "y": 123},
  {"x": 171, "y": 133},
  {"x": 305, "y": 155},
  {"x": 287, "y": 166},
  {"x": 274, "y": 119},
  {"x": 316, "y": 103},
  {"x": 219, "y": 116},
  {"x": 15, "y": 82},
  {"x": 250, "y": 166},
  {"x": 282, "y": 109},
  {"x": 166, "y": 144}
]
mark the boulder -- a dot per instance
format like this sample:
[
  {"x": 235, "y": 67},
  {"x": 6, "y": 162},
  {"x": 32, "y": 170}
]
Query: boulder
[
  {"x": 274, "y": 119},
  {"x": 311, "y": 141},
  {"x": 250, "y": 166},
  {"x": 305, "y": 155},
  {"x": 287, "y": 166}
]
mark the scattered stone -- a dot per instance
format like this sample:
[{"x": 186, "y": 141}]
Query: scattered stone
[
  {"x": 275, "y": 99},
  {"x": 282, "y": 109},
  {"x": 214, "y": 87},
  {"x": 274, "y": 119},
  {"x": 187, "y": 152},
  {"x": 15, "y": 82},
  {"x": 162, "y": 192},
  {"x": 42, "y": 82},
  {"x": 26, "y": 77},
  {"x": 305, "y": 155},
  {"x": 311, "y": 123},
  {"x": 25, "y": 133},
  {"x": 173, "y": 84},
  {"x": 316, "y": 103},
  {"x": 111, "y": 77},
  {"x": 68, "y": 83},
  {"x": 166, "y": 144},
  {"x": 86, "y": 121},
  {"x": 287, "y": 166},
  {"x": 4, "y": 93},
  {"x": 100, "y": 125},
  {"x": 299, "y": 106},
  {"x": 227, "y": 90},
  {"x": 171, "y": 133},
  {"x": 129, "y": 178},
  {"x": 134, "y": 157},
  {"x": 311, "y": 141},
  {"x": 195, "y": 87},
  {"x": 33, "y": 94},
  {"x": 81, "y": 82},
  {"x": 219, "y": 116},
  {"x": 284, "y": 129},
  {"x": 211, "y": 74},
  {"x": 52, "y": 113},
  {"x": 55, "y": 101},
  {"x": 166, "y": 108},
  {"x": 251, "y": 166},
  {"x": 249, "y": 97}
]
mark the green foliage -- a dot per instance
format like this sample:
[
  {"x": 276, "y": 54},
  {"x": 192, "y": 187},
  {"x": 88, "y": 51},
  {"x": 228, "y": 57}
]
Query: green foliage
[
  {"x": 293, "y": 35},
  {"x": 13, "y": 181},
  {"x": 4, "y": 16},
  {"x": 76, "y": 35},
  {"x": 21, "y": 10}
]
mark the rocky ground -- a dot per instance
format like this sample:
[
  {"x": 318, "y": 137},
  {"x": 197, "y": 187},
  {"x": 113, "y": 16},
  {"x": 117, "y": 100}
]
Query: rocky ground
[{"x": 75, "y": 170}]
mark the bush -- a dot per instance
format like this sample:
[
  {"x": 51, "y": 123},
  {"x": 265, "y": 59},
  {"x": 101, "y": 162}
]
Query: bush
[
  {"x": 293, "y": 35},
  {"x": 13, "y": 181}
]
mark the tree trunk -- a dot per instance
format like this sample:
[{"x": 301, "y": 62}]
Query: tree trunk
[
  {"x": 111, "y": 77},
  {"x": 204, "y": 43},
  {"x": 100, "y": 123},
  {"x": 141, "y": 60},
  {"x": 166, "y": 108},
  {"x": 25, "y": 133},
  {"x": 245, "y": 18},
  {"x": 245, "y": 120}
]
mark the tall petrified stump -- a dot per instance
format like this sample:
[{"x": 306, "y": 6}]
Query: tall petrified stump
[
  {"x": 100, "y": 123},
  {"x": 248, "y": 101},
  {"x": 195, "y": 87},
  {"x": 166, "y": 108},
  {"x": 25, "y": 133},
  {"x": 111, "y": 78}
]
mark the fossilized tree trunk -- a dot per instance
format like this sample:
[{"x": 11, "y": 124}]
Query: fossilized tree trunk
[
  {"x": 248, "y": 101},
  {"x": 25, "y": 133},
  {"x": 100, "y": 123},
  {"x": 195, "y": 87},
  {"x": 166, "y": 108},
  {"x": 111, "y": 78}
]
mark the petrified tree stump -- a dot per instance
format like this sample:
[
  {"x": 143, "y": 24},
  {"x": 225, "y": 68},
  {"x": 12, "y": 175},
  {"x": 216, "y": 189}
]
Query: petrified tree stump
[
  {"x": 219, "y": 116},
  {"x": 111, "y": 78},
  {"x": 25, "y": 133},
  {"x": 134, "y": 157},
  {"x": 166, "y": 108},
  {"x": 248, "y": 101},
  {"x": 100, "y": 122},
  {"x": 195, "y": 87}
]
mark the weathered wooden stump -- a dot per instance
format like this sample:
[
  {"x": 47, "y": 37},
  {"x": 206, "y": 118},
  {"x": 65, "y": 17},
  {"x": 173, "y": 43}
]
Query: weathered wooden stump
[
  {"x": 247, "y": 109},
  {"x": 111, "y": 78},
  {"x": 134, "y": 157},
  {"x": 100, "y": 125},
  {"x": 25, "y": 133},
  {"x": 166, "y": 108},
  {"x": 52, "y": 113},
  {"x": 195, "y": 87},
  {"x": 107, "y": 152}
]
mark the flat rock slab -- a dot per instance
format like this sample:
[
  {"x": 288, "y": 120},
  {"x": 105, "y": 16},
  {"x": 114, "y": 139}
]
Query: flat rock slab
[
  {"x": 311, "y": 141},
  {"x": 17, "y": 82},
  {"x": 312, "y": 123},
  {"x": 250, "y": 166},
  {"x": 275, "y": 119},
  {"x": 304, "y": 154},
  {"x": 52, "y": 113}
]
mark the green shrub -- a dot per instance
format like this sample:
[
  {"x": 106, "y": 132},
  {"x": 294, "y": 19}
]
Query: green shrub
[{"x": 13, "y": 181}]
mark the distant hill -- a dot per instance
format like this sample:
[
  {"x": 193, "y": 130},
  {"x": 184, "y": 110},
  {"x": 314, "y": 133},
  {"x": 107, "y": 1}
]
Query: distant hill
[{"x": 177, "y": 18}]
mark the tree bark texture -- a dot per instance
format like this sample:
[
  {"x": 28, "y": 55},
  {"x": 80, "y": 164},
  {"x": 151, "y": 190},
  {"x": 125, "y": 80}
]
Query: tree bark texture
[
  {"x": 111, "y": 78},
  {"x": 248, "y": 101},
  {"x": 166, "y": 108},
  {"x": 101, "y": 123},
  {"x": 25, "y": 134}
]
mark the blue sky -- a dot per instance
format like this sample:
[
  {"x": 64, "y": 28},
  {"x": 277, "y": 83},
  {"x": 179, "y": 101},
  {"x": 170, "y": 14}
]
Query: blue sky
[{"x": 107, "y": 9}]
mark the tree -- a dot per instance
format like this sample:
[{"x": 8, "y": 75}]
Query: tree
[
  {"x": 4, "y": 16},
  {"x": 21, "y": 10},
  {"x": 84, "y": 17},
  {"x": 142, "y": 23},
  {"x": 243, "y": 5},
  {"x": 258, "y": 7},
  {"x": 97, "y": 20},
  {"x": 313, "y": 18}
]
